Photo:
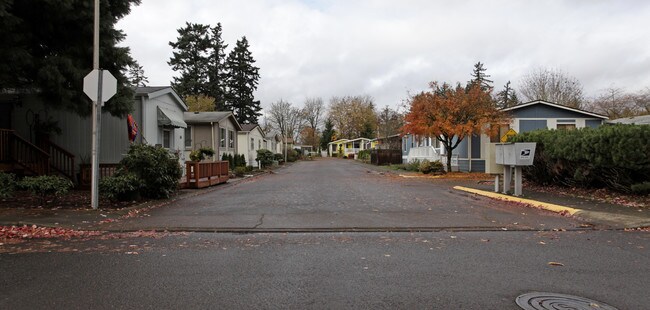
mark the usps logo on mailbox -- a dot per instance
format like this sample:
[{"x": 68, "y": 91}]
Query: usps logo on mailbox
[{"x": 525, "y": 154}]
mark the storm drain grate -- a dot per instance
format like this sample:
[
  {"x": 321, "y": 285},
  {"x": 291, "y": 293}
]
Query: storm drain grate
[{"x": 542, "y": 301}]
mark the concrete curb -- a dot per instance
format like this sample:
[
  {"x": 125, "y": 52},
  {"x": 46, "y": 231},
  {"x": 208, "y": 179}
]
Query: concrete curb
[
  {"x": 610, "y": 219},
  {"x": 535, "y": 203}
]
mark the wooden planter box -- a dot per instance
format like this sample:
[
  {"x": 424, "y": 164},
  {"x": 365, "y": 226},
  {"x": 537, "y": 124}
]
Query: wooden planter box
[{"x": 204, "y": 174}]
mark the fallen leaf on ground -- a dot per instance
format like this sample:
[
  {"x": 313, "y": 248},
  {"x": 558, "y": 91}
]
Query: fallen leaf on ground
[{"x": 555, "y": 264}]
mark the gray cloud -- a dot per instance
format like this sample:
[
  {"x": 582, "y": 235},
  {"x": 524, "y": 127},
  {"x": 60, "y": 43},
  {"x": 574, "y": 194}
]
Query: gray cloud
[{"x": 388, "y": 48}]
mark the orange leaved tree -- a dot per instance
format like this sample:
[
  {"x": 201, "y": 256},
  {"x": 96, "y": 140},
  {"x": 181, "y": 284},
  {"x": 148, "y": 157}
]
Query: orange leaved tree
[{"x": 450, "y": 114}]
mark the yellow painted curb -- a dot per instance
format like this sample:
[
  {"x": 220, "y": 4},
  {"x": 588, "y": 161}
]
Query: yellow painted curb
[{"x": 539, "y": 204}]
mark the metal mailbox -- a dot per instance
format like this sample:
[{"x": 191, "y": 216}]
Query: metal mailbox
[{"x": 515, "y": 154}]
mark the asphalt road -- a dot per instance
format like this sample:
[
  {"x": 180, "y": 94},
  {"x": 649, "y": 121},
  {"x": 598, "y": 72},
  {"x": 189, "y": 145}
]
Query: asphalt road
[
  {"x": 332, "y": 194},
  {"x": 478, "y": 254},
  {"x": 435, "y": 270}
]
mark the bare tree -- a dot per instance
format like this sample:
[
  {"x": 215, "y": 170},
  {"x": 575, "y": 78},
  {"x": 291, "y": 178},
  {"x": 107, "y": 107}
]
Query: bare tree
[
  {"x": 389, "y": 122},
  {"x": 353, "y": 116},
  {"x": 616, "y": 103},
  {"x": 285, "y": 118},
  {"x": 553, "y": 86},
  {"x": 642, "y": 101},
  {"x": 312, "y": 113}
]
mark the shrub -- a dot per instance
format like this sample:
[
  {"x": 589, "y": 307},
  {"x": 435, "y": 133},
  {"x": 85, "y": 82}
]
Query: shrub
[
  {"x": 412, "y": 166},
  {"x": 231, "y": 161},
  {"x": 437, "y": 167},
  {"x": 292, "y": 155},
  {"x": 201, "y": 154},
  {"x": 157, "y": 170},
  {"x": 613, "y": 156},
  {"x": 364, "y": 155},
  {"x": 425, "y": 166},
  {"x": 240, "y": 171},
  {"x": 265, "y": 157},
  {"x": 8, "y": 182},
  {"x": 224, "y": 157},
  {"x": 45, "y": 186},
  {"x": 122, "y": 187},
  {"x": 641, "y": 188}
]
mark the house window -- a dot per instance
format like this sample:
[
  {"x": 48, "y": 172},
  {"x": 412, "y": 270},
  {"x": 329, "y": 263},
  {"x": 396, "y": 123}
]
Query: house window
[
  {"x": 167, "y": 138},
  {"x": 188, "y": 137},
  {"x": 259, "y": 144},
  {"x": 222, "y": 137},
  {"x": 231, "y": 139},
  {"x": 566, "y": 126},
  {"x": 252, "y": 144}
]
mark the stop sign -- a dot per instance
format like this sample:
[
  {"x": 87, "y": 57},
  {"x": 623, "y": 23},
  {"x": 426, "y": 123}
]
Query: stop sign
[{"x": 91, "y": 85}]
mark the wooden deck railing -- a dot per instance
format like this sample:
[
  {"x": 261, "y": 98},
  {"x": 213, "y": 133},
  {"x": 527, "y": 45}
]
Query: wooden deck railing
[
  {"x": 22, "y": 152},
  {"x": 61, "y": 160},
  {"x": 85, "y": 175},
  {"x": 5, "y": 153},
  {"x": 204, "y": 174}
]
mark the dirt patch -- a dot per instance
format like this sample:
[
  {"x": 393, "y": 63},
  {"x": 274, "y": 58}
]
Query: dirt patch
[{"x": 603, "y": 195}]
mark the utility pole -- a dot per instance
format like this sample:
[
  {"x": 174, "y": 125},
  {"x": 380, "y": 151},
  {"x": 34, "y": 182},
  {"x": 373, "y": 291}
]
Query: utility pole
[{"x": 97, "y": 115}]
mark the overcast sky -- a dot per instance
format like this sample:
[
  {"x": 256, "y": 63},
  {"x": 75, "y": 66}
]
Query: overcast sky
[{"x": 387, "y": 49}]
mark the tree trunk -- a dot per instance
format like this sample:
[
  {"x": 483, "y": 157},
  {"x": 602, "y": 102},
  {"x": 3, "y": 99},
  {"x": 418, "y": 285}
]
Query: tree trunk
[{"x": 449, "y": 149}]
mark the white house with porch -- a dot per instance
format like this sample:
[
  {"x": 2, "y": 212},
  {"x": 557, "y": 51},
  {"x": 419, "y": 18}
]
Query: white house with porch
[{"x": 249, "y": 140}]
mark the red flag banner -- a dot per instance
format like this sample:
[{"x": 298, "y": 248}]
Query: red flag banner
[{"x": 133, "y": 128}]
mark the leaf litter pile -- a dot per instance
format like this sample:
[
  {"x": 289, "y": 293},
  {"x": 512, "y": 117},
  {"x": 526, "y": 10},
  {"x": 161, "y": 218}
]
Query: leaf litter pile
[{"x": 32, "y": 239}]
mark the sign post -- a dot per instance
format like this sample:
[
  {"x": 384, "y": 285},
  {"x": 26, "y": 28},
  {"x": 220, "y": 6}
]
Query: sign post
[{"x": 100, "y": 86}]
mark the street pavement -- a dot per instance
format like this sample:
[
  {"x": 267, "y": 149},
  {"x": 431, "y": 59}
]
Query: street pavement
[
  {"x": 329, "y": 234},
  {"x": 339, "y": 195}
]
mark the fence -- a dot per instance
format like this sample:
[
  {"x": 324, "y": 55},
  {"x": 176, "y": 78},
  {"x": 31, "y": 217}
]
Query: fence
[{"x": 385, "y": 157}]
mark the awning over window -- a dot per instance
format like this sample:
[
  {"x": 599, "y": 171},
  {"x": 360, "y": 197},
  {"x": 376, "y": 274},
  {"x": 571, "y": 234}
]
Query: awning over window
[{"x": 168, "y": 119}]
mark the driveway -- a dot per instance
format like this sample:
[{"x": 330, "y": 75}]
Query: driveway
[{"x": 340, "y": 195}]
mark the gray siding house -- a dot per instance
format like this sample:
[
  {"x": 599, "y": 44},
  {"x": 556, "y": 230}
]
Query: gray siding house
[
  {"x": 476, "y": 153},
  {"x": 157, "y": 112},
  {"x": 217, "y": 130}
]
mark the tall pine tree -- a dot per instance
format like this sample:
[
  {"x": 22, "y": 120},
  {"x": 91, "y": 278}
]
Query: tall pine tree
[
  {"x": 241, "y": 82},
  {"x": 328, "y": 134},
  {"x": 190, "y": 58},
  {"x": 47, "y": 49},
  {"x": 217, "y": 73},
  {"x": 480, "y": 77},
  {"x": 507, "y": 97}
]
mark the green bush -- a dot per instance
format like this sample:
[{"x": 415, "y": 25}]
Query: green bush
[
  {"x": 240, "y": 171},
  {"x": 425, "y": 167},
  {"x": 364, "y": 155},
  {"x": 157, "y": 169},
  {"x": 45, "y": 186},
  {"x": 437, "y": 167},
  {"x": 612, "y": 156},
  {"x": 201, "y": 154},
  {"x": 641, "y": 188},
  {"x": 412, "y": 166},
  {"x": 292, "y": 155},
  {"x": 122, "y": 187},
  {"x": 265, "y": 157},
  {"x": 8, "y": 182}
]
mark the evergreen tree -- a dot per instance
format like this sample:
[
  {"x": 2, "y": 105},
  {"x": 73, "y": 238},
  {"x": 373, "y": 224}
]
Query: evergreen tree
[
  {"x": 507, "y": 97},
  {"x": 241, "y": 82},
  {"x": 217, "y": 73},
  {"x": 328, "y": 133},
  {"x": 190, "y": 57},
  {"x": 480, "y": 77},
  {"x": 47, "y": 49},
  {"x": 135, "y": 75}
]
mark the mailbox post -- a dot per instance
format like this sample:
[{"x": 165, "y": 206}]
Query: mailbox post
[{"x": 513, "y": 155}]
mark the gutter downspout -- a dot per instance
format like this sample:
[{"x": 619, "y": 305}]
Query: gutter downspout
[
  {"x": 469, "y": 153},
  {"x": 144, "y": 121},
  {"x": 212, "y": 140}
]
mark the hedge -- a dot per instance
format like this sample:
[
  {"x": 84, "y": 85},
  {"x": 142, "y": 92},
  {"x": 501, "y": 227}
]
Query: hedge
[{"x": 612, "y": 156}]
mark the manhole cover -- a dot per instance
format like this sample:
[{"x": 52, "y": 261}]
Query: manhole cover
[{"x": 541, "y": 301}]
